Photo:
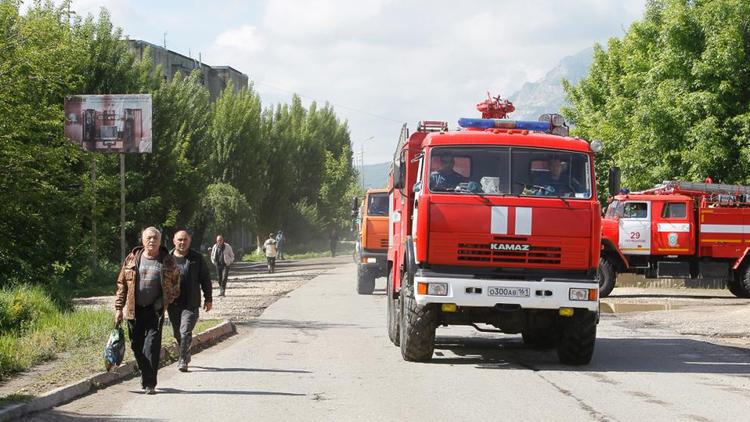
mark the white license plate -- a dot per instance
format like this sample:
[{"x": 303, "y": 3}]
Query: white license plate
[{"x": 508, "y": 291}]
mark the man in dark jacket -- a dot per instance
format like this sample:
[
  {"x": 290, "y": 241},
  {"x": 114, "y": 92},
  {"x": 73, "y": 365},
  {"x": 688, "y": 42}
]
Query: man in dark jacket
[
  {"x": 194, "y": 277},
  {"x": 148, "y": 283}
]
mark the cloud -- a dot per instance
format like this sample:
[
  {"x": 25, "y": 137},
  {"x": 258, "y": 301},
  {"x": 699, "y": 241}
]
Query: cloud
[{"x": 409, "y": 60}]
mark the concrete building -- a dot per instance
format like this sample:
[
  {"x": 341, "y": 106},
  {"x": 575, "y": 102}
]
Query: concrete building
[{"x": 215, "y": 78}]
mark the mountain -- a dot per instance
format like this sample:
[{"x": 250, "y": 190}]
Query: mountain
[
  {"x": 546, "y": 95},
  {"x": 376, "y": 175}
]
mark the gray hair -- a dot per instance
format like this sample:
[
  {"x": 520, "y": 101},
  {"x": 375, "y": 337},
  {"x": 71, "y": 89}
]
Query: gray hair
[{"x": 151, "y": 229}]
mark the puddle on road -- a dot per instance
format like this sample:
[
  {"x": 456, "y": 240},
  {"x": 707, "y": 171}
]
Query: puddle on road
[{"x": 617, "y": 308}]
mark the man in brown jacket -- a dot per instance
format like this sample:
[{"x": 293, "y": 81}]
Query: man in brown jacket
[{"x": 149, "y": 281}]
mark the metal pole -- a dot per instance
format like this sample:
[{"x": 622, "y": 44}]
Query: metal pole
[
  {"x": 362, "y": 165},
  {"x": 93, "y": 215},
  {"x": 123, "y": 246}
]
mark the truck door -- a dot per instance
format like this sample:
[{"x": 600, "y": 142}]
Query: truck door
[
  {"x": 673, "y": 228},
  {"x": 635, "y": 228}
]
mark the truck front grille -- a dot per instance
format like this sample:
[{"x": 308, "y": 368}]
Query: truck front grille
[
  {"x": 550, "y": 255},
  {"x": 383, "y": 243}
]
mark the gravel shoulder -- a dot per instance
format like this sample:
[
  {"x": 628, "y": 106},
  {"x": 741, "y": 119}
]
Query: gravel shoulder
[{"x": 712, "y": 314}]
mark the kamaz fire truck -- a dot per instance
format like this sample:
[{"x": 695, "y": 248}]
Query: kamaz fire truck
[
  {"x": 495, "y": 224},
  {"x": 679, "y": 230},
  {"x": 371, "y": 248}
]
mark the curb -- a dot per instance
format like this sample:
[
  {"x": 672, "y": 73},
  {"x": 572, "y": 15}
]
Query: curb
[{"x": 69, "y": 392}]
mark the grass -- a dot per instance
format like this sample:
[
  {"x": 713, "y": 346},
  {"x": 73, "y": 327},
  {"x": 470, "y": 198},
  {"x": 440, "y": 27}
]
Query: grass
[{"x": 51, "y": 334}]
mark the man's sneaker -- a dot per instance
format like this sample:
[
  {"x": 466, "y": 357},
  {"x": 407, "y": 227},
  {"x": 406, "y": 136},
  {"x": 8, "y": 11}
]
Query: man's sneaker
[
  {"x": 182, "y": 366},
  {"x": 149, "y": 390}
]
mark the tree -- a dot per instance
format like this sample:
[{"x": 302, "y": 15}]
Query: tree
[{"x": 671, "y": 99}]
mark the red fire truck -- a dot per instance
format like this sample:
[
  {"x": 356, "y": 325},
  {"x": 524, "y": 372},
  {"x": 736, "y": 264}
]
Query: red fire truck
[
  {"x": 679, "y": 230},
  {"x": 495, "y": 224}
]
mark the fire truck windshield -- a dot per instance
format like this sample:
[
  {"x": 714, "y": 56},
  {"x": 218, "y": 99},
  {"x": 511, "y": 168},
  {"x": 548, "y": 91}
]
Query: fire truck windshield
[{"x": 509, "y": 171}]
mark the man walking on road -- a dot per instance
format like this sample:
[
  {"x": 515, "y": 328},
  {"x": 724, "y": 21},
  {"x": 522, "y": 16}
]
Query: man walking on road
[
  {"x": 222, "y": 256},
  {"x": 270, "y": 249},
  {"x": 148, "y": 283},
  {"x": 194, "y": 277}
]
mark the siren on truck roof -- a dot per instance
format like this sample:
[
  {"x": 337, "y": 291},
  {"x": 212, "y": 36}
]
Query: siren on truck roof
[{"x": 494, "y": 116}]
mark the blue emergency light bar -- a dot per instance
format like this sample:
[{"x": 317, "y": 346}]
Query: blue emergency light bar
[{"x": 466, "y": 122}]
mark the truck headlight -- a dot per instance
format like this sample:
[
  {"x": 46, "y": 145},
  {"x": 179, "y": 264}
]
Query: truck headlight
[
  {"x": 433, "y": 289},
  {"x": 583, "y": 294}
]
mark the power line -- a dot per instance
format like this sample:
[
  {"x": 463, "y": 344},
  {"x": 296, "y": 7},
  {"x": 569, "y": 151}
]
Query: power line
[{"x": 338, "y": 105}]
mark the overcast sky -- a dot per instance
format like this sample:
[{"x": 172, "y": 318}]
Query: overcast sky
[{"x": 381, "y": 63}]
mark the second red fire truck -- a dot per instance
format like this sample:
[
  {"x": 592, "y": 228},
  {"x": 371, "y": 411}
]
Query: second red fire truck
[
  {"x": 496, "y": 224},
  {"x": 679, "y": 230}
]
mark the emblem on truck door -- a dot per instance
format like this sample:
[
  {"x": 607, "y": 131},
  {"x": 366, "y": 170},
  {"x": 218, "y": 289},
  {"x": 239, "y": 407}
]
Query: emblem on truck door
[{"x": 510, "y": 247}]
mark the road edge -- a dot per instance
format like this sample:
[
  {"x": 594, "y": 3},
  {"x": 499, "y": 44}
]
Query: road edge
[{"x": 79, "y": 388}]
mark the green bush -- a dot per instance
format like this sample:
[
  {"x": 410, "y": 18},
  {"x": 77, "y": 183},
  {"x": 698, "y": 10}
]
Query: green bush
[{"x": 23, "y": 306}]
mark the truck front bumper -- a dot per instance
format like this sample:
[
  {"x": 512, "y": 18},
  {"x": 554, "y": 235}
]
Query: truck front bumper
[{"x": 549, "y": 293}]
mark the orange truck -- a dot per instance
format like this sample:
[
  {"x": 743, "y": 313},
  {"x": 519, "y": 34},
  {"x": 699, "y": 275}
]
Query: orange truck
[{"x": 371, "y": 250}]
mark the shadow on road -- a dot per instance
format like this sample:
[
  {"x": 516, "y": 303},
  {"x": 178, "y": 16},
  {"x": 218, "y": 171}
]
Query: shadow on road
[
  {"x": 215, "y": 369},
  {"x": 670, "y": 296},
  {"x": 652, "y": 355},
  {"x": 226, "y": 392},
  {"x": 295, "y": 324}
]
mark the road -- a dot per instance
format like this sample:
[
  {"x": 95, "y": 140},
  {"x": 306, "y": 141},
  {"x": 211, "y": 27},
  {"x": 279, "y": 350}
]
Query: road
[{"x": 321, "y": 353}]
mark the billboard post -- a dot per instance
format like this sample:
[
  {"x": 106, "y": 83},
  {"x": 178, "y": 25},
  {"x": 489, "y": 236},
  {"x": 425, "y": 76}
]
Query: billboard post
[{"x": 110, "y": 124}]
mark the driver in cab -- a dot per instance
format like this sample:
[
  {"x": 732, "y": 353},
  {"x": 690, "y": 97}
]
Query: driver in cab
[
  {"x": 555, "y": 182},
  {"x": 445, "y": 178}
]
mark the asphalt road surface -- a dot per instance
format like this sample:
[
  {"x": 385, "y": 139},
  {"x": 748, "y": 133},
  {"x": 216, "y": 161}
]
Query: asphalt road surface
[{"x": 321, "y": 353}]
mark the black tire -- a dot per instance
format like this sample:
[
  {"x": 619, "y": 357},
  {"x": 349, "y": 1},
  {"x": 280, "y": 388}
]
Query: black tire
[
  {"x": 578, "y": 338},
  {"x": 739, "y": 285},
  {"x": 417, "y": 329},
  {"x": 607, "y": 276},
  {"x": 365, "y": 281},
  {"x": 542, "y": 338},
  {"x": 393, "y": 315}
]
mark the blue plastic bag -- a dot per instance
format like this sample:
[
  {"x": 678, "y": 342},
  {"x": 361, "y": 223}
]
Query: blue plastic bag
[{"x": 114, "y": 351}]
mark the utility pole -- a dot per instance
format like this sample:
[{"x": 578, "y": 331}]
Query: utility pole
[{"x": 362, "y": 161}]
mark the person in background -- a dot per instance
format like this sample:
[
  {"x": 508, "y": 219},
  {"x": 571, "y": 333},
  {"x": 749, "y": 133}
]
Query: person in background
[
  {"x": 184, "y": 312},
  {"x": 280, "y": 244},
  {"x": 222, "y": 256},
  {"x": 149, "y": 281},
  {"x": 271, "y": 250},
  {"x": 333, "y": 237}
]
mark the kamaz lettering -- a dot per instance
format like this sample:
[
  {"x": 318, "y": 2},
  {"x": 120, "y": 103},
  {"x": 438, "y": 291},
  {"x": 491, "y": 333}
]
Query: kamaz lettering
[{"x": 510, "y": 247}]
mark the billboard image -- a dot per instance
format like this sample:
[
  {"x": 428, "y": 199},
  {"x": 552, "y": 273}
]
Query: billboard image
[{"x": 109, "y": 123}]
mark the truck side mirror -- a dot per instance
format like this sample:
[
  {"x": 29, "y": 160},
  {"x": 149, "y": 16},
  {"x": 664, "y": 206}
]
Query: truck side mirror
[
  {"x": 399, "y": 175},
  {"x": 614, "y": 180}
]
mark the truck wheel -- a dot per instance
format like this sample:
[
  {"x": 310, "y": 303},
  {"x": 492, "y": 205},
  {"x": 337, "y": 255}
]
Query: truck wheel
[
  {"x": 417, "y": 330},
  {"x": 393, "y": 316},
  {"x": 578, "y": 338},
  {"x": 739, "y": 285},
  {"x": 542, "y": 338},
  {"x": 365, "y": 281},
  {"x": 607, "y": 277}
]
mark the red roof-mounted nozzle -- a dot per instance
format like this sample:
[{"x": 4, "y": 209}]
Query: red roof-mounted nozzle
[{"x": 495, "y": 108}]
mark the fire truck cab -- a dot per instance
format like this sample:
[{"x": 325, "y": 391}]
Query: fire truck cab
[
  {"x": 678, "y": 230},
  {"x": 496, "y": 224}
]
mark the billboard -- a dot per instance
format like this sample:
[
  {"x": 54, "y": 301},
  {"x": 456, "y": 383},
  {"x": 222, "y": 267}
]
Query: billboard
[{"x": 109, "y": 123}]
